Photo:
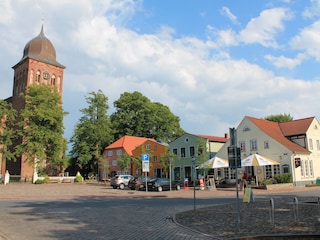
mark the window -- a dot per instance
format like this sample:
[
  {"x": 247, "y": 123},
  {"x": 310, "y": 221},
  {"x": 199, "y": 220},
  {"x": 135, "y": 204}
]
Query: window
[
  {"x": 285, "y": 168},
  {"x": 191, "y": 151},
  {"x": 154, "y": 158},
  {"x": 226, "y": 173},
  {"x": 242, "y": 145},
  {"x": 175, "y": 151},
  {"x": 119, "y": 152},
  {"x": 266, "y": 144},
  {"x": 311, "y": 168},
  {"x": 53, "y": 80},
  {"x": 318, "y": 145},
  {"x": 268, "y": 171},
  {"x": 38, "y": 77},
  {"x": 114, "y": 162},
  {"x": 148, "y": 147},
  {"x": 302, "y": 168},
  {"x": 310, "y": 144},
  {"x": 306, "y": 168},
  {"x": 183, "y": 152},
  {"x": 253, "y": 145},
  {"x": 276, "y": 170},
  {"x": 110, "y": 153}
]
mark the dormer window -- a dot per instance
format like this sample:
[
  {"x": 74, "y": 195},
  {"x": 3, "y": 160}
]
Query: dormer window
[{"x": 246, "y": 128}]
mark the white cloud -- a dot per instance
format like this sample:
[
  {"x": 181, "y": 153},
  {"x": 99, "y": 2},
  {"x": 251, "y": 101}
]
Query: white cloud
[
  {"x": 203, "y": 85},
  {"x": 264, "y": 29},
  {"x": 308, "y": 40},
  {"x": 313, "y": 10},
  {"x": 285, "y": 62},
  {"x": 226, "y": 12}
]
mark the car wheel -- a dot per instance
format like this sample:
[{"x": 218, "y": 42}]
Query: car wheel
[
  {"x": 178, "y": 187},
  {"x": 159, "y": 189},
  {"x": 114, "y": 187},
  {"x": 121, "y": 186}
]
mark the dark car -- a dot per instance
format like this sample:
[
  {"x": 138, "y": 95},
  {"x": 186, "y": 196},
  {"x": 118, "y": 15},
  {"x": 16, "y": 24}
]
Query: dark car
[
  {"x": 161, "y": 184},
  {"x": 138, "y": 183}
]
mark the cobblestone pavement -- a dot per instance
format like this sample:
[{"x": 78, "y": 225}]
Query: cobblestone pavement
[{"x": 92, "y": 211}]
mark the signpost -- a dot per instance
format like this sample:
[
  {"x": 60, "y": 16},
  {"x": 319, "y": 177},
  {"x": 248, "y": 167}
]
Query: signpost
[
  {"x": 235, "y": 163},
  {"x": 145, "y": 166}
]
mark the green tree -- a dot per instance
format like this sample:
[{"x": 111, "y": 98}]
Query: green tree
[
  {"x": 124, "y": 161},
  {"x": 92, "y": 133},
  {"x": 279, "y": 118},
  {"x": 136, "y": 115},
  {"x": 41, "y": 122},
  {"x": 7, "y": 131},
  {"x": 166, "y": 161}
]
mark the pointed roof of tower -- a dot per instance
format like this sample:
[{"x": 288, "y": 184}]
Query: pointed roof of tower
[{"x": 41, "y": 49}]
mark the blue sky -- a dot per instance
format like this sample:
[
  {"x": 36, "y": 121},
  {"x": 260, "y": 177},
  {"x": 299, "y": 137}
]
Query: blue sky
[{"x": 211, "y": 61}]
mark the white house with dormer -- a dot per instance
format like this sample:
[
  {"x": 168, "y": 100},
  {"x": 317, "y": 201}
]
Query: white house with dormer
[{"x": 294, "y": 144}]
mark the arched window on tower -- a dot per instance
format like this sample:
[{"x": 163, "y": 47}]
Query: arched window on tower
[
  {"x": 31, "y": 76},
  {"x": 38, "y": 76},
  {"x": 53, "y": 80}
]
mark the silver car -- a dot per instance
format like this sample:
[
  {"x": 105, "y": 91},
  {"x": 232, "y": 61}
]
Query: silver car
[{"x": 120, "y": 181}]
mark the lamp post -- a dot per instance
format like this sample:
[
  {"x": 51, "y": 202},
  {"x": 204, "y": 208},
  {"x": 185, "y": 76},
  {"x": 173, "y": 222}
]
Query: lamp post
[
  {"x": 170, "y": 162},
  {"x": 194, "y": 182}
]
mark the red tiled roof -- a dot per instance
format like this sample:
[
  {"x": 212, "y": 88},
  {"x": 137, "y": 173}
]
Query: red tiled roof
[
  {"x": 213, "y": 138},
  {"x": 296, "y": 127},
  {"x": 128, "y": 143},
  {"x": 273, "y": 130}
]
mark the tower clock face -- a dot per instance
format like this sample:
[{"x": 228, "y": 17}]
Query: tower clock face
[{"x": 46, "y": 75}]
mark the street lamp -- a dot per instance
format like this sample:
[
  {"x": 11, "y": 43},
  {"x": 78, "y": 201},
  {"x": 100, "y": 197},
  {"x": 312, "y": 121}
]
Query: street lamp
[
  {"x": 170, "y": 162},
  {"x": 194, "y": 182}
]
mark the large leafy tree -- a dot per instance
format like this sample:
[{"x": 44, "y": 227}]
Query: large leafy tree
[
  {"x": 92, "y": 133},
  {"x": 7, "y": 131},
  {"x": 279, "y": 118},
  {"x": 136, "y": 115},
  {"x": 41, "y": 122}
]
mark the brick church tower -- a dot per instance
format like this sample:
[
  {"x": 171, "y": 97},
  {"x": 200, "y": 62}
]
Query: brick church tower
[{"x": 37, "y": 66}]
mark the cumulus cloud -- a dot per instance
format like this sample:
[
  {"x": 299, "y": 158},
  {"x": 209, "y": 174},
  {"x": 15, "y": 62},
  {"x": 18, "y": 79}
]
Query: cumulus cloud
[
  {"x": 264, "y": 29},
  {"x": 285, "y": 62},
  {"x": 198, "y": 79},
  {"x": 308, "y": 40}
]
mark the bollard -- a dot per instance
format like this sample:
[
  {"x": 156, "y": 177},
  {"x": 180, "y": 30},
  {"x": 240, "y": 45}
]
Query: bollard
[
  {"x": 272, "y": 212},
  {"x": 296, "y": 209}
]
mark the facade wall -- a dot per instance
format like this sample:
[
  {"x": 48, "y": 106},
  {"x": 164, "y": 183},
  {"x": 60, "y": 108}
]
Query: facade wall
[
  {"x": 156, "y": 151},
  {"x": 269, "y": 147}
]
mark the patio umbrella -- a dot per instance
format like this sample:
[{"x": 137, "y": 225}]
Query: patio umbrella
[
  {"x": 256, "y": 160},
  {"x": 215, "y": 162}
]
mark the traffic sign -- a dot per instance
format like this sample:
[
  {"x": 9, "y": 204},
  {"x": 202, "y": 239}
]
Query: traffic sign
[
  {"x": 145, "y": 166},
  {"x": 145, "y": 157}
]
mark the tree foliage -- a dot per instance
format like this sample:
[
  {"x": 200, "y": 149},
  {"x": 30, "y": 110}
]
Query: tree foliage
[
  {"x": 136, "y": 115},
  {"x": 7, "y": 130},
  {"x": 93, "y": 132},
  {"x": 41, "y": 122},
  {"x": 279, "y": 118}
]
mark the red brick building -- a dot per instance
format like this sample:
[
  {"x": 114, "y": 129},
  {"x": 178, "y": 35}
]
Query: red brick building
[{"x": 37, "y": 66}]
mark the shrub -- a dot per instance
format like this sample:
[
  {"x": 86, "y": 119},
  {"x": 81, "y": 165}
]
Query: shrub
[
  {"x": 78, "y": 178},
  {"x": 46, "y": 179},
  {"x": 283, "y": 178}
]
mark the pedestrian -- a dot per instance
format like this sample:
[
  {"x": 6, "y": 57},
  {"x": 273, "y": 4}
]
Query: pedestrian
[{"x": 244, "y": 180}]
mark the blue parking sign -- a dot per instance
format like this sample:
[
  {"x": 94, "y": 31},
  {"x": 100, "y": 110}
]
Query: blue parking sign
[{"x": 145, "y": 157}]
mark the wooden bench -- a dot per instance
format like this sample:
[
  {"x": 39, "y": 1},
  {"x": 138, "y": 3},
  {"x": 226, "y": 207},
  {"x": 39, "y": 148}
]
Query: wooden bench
[{"x": 54, "y": 181}]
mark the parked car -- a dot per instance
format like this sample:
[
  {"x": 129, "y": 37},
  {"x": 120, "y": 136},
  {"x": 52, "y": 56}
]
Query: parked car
[
  {"x": 120, "y": 181},
  {"x": 138, "y": 183},
  {"x": 161, "y": 184}
]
